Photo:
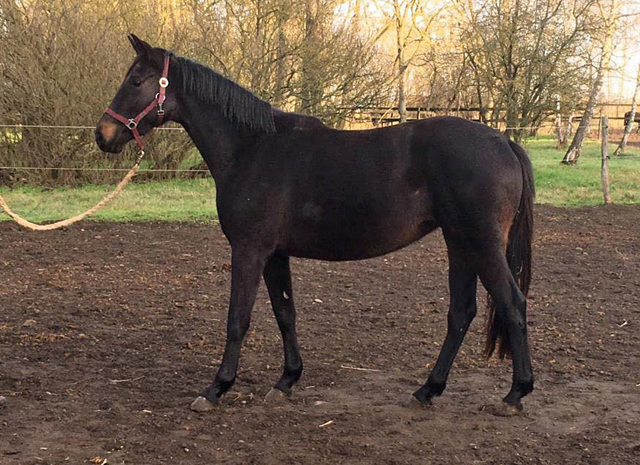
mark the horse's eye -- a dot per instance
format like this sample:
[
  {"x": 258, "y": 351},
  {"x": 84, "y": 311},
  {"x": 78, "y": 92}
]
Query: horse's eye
[{"x": 135, "y": 81}]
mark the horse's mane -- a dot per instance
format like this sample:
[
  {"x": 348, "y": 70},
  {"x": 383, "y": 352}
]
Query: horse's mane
[{"x": 236, "y": 103}]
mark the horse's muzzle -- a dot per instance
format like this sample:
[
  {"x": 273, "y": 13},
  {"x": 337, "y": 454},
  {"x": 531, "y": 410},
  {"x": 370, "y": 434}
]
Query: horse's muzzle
[{"x": 107, "y": 135}]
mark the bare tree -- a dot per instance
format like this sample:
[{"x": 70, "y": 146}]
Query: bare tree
[
  {"x": 60, "y": 63},
  {"x": 523, "y": 55},
  {"x": 409, "y": 23},
  {"x": 608, "y": 13}
]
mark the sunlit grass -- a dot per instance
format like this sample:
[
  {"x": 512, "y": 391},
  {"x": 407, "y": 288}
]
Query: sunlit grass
[
  {"x": 581, "y": 184},
  {"x": 192, "y": 200}
]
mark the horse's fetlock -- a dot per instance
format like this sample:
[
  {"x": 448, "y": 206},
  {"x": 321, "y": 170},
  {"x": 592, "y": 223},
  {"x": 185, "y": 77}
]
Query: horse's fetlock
[
  {"x": 525, "y": 387},
  {"x": 435, "y": 388},
  {"x": 293, "y": 373}
]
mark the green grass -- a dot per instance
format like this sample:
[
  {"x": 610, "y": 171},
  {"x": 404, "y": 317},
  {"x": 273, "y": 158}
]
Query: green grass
[
  {"x": 194, "y": 200},
  {"x": 191, "y": 200},
  {"x": 581, "y": 185}
]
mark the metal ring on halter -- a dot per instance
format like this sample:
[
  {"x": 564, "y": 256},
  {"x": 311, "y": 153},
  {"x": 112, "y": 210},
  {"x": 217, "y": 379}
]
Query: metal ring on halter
[
  {"x": 163, "y": 82},
  {"x": 160, "y": 106},
  {"x": 132, "y": 124}
]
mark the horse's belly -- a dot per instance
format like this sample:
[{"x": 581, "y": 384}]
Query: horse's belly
[{"x": 346, "y": 241}]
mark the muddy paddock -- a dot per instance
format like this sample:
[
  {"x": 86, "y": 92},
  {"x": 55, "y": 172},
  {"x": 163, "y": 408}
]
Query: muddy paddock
[{"x": 109, "y": 331}]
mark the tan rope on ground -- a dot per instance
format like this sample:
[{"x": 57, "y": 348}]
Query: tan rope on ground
[{"x": 61, "y": 224}]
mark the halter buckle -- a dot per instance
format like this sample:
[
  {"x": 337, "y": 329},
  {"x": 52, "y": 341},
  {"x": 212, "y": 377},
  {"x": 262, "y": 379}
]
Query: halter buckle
[
  {"x": 163, "y": 82},
  {"x": 132, "y": 124},
  {"x": 160, "y": 105}
]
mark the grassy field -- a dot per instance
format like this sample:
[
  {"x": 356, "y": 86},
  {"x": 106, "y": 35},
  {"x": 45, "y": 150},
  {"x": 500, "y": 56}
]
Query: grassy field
[
  {"x": 194, "y": 200},
  {"x": 579, "y": 185}
]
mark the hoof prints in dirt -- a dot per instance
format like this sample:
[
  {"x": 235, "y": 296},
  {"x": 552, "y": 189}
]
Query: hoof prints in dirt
[{"x": 109, "y": 331}]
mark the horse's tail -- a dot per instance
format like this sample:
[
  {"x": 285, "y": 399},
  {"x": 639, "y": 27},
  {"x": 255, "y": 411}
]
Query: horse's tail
[{"x": 518, "y": 255}]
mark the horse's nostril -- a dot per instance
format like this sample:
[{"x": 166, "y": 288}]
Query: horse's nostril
[{"x": 99, "y": 137}]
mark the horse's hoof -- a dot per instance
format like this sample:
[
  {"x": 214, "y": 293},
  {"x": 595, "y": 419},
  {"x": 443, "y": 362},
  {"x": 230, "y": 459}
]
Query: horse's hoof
[
  {"x": 276, "y": 396},
  {"x": 413, "y": 403},
  {"x": 202, "y": 404},
  {"x": 505, "y": 410}
]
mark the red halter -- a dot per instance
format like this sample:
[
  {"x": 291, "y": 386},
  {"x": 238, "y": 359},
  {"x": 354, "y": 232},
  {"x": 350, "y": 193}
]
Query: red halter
[{"x": 132, "y": 123}]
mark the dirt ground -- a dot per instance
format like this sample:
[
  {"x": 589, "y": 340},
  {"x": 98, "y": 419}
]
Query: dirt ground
[{"x": 109, "y": 331}]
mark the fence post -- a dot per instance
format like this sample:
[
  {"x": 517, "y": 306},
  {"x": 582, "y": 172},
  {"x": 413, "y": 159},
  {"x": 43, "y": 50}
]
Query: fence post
[{"x": 605, "y": 160}]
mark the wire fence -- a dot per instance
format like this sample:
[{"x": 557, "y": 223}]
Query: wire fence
[
  {"x": 68, "y": 168},
  {"x": 88, "y": 169},
  {"x": 155, "y": 170},
  {"x": 45, "y": 126}
]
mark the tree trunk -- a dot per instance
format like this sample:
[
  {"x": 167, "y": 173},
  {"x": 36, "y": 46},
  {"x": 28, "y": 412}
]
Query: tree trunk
[
  {"x": 513, "y": 130},
  {"x": 568, "y": 130},
  {"x": 573, "y": 153},
  {"x": 632, "y": 117},
  {"x": 558, "y": 124},
  {"x": 281, "y": 64},
  {"x": 311, "y": 87},
  {"x": 562, "y": 132},
  {"x": 402, "y": 98},
  {"x": 402, "y": 69}
]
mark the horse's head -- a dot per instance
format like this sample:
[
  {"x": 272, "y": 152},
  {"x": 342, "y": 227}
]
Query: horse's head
[{"x": 132, "y": 112}]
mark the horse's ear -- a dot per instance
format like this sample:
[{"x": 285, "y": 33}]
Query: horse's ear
[
  {"x": 139, "y": 45},
  {"x": 132, "y": 42}
]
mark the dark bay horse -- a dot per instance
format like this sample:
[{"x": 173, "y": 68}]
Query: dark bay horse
[{"x": 287, "y": 185}]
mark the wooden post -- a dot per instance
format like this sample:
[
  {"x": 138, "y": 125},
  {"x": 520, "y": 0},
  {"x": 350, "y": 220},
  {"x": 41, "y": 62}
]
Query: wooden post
[{"x": 605, "y": 159}]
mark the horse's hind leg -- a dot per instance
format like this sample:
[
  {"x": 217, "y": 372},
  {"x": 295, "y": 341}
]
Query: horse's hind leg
[
  {"x": 510, "y": 308},
  {"x": 462, "y": 310},
  {"x": 277, "y": 277}
]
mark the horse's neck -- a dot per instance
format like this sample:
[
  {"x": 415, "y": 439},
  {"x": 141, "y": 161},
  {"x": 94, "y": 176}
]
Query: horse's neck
[
  {"x": 216, "y": 138},
  {"x": 219, "y": 140}
]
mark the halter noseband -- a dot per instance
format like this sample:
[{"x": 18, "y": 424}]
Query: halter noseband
[{"x": 132, "y": 123}]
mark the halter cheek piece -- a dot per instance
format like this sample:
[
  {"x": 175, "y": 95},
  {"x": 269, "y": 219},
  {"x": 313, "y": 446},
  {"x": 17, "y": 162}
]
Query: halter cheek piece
[{"x": 132, "y": 123}]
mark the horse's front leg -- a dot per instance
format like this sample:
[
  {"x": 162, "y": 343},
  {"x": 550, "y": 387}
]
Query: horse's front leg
[{"x": 246, "y": 268}]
